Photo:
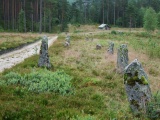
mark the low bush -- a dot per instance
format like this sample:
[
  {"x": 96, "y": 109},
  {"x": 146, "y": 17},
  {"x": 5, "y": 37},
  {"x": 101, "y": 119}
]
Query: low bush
[
  {"x": 143, "y": 34},
  {"x": 41, "y": 81},
  {"x": 113, "y": 32},
  {"x": 1, "y": 29},
  {"x": 153, "y": 108},
  {"x": 84, "y": 118}
]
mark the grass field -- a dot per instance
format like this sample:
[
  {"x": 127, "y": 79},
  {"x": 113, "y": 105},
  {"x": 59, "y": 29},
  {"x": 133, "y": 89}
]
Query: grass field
[
  {"x": 98, "y": 92},
  {"x": 12, "y": 40}
]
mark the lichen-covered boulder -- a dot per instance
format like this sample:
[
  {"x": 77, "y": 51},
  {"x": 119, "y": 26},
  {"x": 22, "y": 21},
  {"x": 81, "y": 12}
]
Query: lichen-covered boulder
[
  {"x": 122, "y": 58},
  {"x": 68, "y": 39},
  {"x": 91, "y": 36},
  {"x": 66, "y": 44},
  {"x": 111, "y": 48},
  {"x": 44, "y": 57},
  {"x": 98, "y": 46},
  {"x": 137, "y": 87},
  {"x": 86, "y": 37}
]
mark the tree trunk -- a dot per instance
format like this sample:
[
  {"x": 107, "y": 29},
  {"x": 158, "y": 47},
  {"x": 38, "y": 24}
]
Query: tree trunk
[
  {"x": 40, "y": 24},
  {"x": 13, "y": 14},
  {"x": 4, "y": 15},
  {"x": 32, "y": 15},
  {"x": 50, "y": 21},
  {"x": 24, "y": 16},
  {"x": 114, "y": 13},
  {"x": 130, "y": 23},
  {"x": 8, "y": 14},
  {"x": 44, "y": 17}
]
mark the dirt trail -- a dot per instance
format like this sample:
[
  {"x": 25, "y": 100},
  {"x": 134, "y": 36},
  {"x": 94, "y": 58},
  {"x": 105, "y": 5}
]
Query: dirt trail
[{"x": 12, "y": 58}]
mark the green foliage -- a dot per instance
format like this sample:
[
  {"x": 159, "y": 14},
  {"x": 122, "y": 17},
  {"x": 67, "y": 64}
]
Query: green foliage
[
  {"x": 42, "y": 81},
  {"x": 143, "y": 34},
  {"x": 21, "y": 21},
  {"x": 150, "y": 20},
  {"x": 132, "y": 11},
  {"x": 153, "y": 107},
  {"x": 15, "y": 41},
  {"x": 83, "y": 118},
  {"x": 1, "y": 29},
  {"x": 113, "y": 32},
  {"x": 64, "y": 12},
  {"x": 158, "y": 19}
]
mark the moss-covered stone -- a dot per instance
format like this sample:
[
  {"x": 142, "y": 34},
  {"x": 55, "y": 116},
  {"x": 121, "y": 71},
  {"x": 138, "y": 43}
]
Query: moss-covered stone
[
  {"x": 132, "y": 79},
  {"x": 111, "y": 48},
  {"x": 122, "y": 58},
  {"x": 137, "y": 87}
]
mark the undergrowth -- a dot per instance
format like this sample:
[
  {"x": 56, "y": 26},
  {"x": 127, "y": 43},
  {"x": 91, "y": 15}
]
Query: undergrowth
[
  {"x": 6, "y": 43},
  {"x": 41, "y": 81}
]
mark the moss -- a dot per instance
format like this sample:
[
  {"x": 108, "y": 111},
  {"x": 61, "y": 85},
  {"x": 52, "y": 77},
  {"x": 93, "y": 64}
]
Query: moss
[
  {"x": 144, "y": 80},
  {"x": 132, "y": 79},
  {"x": 125, "y": 77}
]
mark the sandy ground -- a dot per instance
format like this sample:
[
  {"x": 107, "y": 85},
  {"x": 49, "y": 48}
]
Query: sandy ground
[{"x": 12, "y": 58}]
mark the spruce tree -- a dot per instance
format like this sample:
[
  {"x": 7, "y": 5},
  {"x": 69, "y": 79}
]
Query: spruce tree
[
  {"x": 21, "y": 21},
  {"x": 150, "y": 20},
  {"x": 158, "y": 20}
]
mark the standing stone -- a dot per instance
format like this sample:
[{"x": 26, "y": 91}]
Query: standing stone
[
  {"x": 137, "y": 87},
  {"x": 122, "y": 58},
  {"x": 98, "y": 46},
  {"x": 68, "y": 39},
  {"x": 44, "y": 57},
  {"x": 66, "y": 44},
  {"x": 91, "y": 36},
  {"x": 87, "y": 38},
  {"x": 111, "y": 48}
]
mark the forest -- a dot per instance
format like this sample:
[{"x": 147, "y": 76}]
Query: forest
[{"x": 54, "y": 15}]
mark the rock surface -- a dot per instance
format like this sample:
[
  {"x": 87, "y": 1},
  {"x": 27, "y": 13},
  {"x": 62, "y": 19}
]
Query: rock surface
[
  {"x": 44, "y": 56},
  {"x": 98, "y": 46},
  {"x": 137, "y": 87},
  {"x": 66, "y": 44},
  {"x": 111, "y": 48},
  {"x": 122, "y": 58},
  {"x": 68, "y": 39}
]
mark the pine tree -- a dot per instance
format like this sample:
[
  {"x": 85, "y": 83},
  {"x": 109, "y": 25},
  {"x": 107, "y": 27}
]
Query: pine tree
[
  {"x": 158, "y": 20},
  {"x": 21, "y": 21},
  {"x": 131, "y": 12},
  {"x": 150, "y": 19}
]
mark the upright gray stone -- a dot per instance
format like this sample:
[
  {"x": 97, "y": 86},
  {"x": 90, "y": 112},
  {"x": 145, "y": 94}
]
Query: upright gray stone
[
  {"x": 98, "y": 46},
  {"x": 44, "y": 57},
  {"x": 68, "y": 39},
  {"x": 86, "y": 37},
  {"x": 66, "y": 44},
  {"x": 137, "y": 87},
  {"x": 122, "y": 58},
  {"x": 91, "y": 36},
  {"x": 111, "y": 48}
]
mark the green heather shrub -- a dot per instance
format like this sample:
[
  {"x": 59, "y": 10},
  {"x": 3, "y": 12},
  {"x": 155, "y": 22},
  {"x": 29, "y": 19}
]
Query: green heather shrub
[
  {"x": 83, "y": 118},
  {"x": 113, "y": 32},
  {"x": 144, "y": 34},
  {"x": 153, "y": 107},
  {"x": 1, "y": 29},
  {"x": 42, "y": 81}
]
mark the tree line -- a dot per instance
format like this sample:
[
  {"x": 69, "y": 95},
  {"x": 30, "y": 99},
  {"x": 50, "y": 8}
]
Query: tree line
[{"x": 54, "y": 15}]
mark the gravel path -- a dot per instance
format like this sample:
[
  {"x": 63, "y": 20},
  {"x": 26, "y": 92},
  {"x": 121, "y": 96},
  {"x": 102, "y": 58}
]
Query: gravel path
[{"x": 12, "y": 58}]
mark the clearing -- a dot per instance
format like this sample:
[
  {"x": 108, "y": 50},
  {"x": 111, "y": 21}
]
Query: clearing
[{"x": 99, "y": 92}]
